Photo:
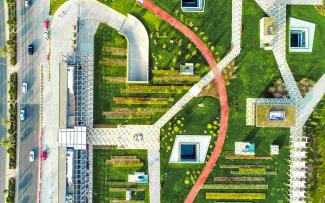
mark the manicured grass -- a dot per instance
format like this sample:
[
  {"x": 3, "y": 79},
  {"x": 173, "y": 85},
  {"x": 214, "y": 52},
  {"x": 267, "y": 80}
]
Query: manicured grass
[
  {"x": 311, "y": 65},
  {"x": 315, "y": 129},
  {"x": 55, "y": 4},
  {"x": 110, "y": 84},
  {"x": 194, "y": 119},
  {"x": 257, "y": 70},
  {"x": 103, "y": 173}
]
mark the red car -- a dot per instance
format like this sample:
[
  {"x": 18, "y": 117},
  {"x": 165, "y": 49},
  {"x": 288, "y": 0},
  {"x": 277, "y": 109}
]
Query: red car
[
  {"x": 46, "y": 24},
  {"x": 44, "y": 155}
]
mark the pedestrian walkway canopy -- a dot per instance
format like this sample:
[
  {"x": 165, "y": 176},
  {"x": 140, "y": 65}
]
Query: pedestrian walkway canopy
[{"x": 73, "y": 137}]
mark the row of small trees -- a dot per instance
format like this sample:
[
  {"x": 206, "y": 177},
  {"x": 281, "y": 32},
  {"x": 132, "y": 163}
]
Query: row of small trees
[
  {"x": 11, "y": 48},
  {"x": 11, "y": 124}
]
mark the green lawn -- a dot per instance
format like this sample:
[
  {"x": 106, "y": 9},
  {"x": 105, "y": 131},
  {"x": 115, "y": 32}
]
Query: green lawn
[
  {"x": 310, "y": 65},
  {"x": 168, "y": 50},
  {"x": 315, "y": 129},
  {"x": 176, "y": 179},
  {"x": 257, "y": 70},
  {"x": 103, "y": 173},
  {"x": 106, "y": 89},
  {"x": 55, "y": 4}
]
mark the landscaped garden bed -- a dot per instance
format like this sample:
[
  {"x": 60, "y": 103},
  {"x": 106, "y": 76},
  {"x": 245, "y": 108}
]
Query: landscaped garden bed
[
  {"x": 111, "y": 168},
  {"x": 169, "y": 49},
  {"x": 257, "y": 70},
  {"x": 312, "y": 64},
  {"x": 315, "y": 129}
]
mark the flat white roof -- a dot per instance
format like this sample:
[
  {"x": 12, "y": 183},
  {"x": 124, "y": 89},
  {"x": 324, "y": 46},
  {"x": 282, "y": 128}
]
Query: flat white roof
[
  {"x": 70, "y": 71},
  {"x": 69, "y": 167},
  {"x": 73, "y": 137}
]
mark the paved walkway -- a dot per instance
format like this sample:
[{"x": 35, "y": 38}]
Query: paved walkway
[{"x": 131, "y": 28}]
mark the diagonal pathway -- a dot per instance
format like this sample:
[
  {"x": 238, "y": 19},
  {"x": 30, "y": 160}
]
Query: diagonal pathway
[{"x": 221, "y": 90}]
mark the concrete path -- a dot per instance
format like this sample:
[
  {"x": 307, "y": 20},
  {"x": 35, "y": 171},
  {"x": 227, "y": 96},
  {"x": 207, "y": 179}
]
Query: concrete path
[
  {"x": 311, "y": 100},
  {"x": 131, "y": 28}
]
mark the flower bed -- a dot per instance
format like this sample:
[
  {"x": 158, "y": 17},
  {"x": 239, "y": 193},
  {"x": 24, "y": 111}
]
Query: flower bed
[
  {"x": 116, "y": 51},
  {"x": 113, "y": 62},
  {"x": 252, "y": 170},
  {"x": 155, "y": 89},
  {"x": 114, "y": 79},
  {"x": 164, "y": 72},
  {"x": 235, "y": 186},
  {"x": 176, "y": 79},
  {"x": 244, "y": 166},
  {"x": 139, "y": 100},
  {"x": 254, "y": 173},
  {"x": 127, "y": 165},
  {"x": 247, "y": 157},
  {"x": 235, "y": 196},
  {"x": 239, "y": 179}
]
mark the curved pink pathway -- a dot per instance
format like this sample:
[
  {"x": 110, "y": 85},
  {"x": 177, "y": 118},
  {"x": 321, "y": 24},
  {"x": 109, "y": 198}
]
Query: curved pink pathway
[{"x": 220, "y": 84}]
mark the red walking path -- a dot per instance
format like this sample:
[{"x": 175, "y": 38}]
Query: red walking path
[{"x": 220, "y": 84}]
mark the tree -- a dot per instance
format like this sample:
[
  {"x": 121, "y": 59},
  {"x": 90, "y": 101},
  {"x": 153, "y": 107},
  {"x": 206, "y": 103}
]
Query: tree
[
  {"x": 5, "y": 123},
  {"x": 3, "y": 51},
  {"x": 5, "y": 143}
]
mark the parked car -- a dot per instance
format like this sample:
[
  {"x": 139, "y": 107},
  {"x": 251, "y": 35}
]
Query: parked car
[
  {"x": 31, "y": 156},
  {"x": 30, "y": 49},
  {"x": 46, "y": 34},
  {"x": 25, "y": 87},
  {"x": 22, "y": 114},
  {"x": 46, "y": 24},
  {"x": 44, "y": 155},
  {"x": 27, "y": 3}
]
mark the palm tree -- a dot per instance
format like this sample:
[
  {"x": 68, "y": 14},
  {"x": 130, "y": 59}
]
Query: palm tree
[
  {"x": 5, "y": 123},
  {"x": 5, "y": 143},
  {"x": 3, "y": 51}
]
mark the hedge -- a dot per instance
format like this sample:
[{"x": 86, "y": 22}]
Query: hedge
[
  {"x": 11, "y": 191},
  {"x": 12, "y": 131},
  {"x": 12, "y": 23}
]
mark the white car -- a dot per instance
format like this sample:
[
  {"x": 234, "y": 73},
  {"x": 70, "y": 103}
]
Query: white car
[
  {"x": 27, "y": 3},
  {"x": 25, "y": 87},
  {"x": 31, "y": 156},
  {"x": 46, "y": 34},
  {"x": 22, "y": 114}
]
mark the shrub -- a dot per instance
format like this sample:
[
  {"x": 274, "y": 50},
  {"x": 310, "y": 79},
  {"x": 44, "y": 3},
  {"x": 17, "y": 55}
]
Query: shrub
[{"x": 11, "y": 191}]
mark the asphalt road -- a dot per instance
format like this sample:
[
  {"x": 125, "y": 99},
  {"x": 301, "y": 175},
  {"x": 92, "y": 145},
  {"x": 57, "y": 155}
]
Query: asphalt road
[
  {"x": 3, "y": 103},
  {"x": 29, "y": 31}
]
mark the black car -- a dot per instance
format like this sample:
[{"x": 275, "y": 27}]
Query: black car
[{"x": 30, "y": 49}]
